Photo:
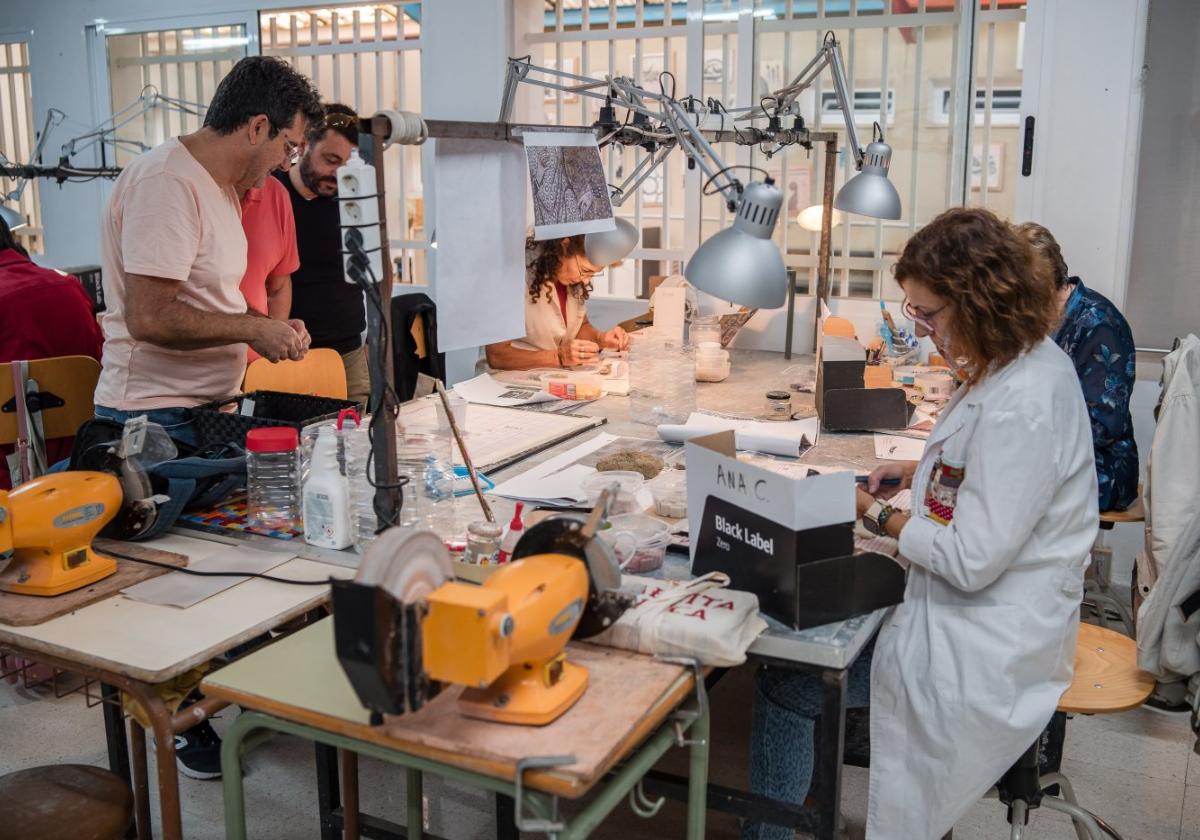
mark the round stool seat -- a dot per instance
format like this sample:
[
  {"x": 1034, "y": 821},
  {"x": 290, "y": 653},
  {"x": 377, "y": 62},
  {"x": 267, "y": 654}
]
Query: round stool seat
[
  {"x": 1107, "y": 678},
  {"x": 64, "y": 800}
]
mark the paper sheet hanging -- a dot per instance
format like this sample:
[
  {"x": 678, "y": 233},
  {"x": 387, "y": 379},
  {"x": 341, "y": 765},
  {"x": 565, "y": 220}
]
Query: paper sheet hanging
[
  {"x": 480, "y": 230},
  {"x": 569, "y": 185}
]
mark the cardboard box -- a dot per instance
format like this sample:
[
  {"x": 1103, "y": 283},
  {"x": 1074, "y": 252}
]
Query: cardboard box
[
  {"x": 844, "y": 403},
  {"x": 789, "y": 541}
]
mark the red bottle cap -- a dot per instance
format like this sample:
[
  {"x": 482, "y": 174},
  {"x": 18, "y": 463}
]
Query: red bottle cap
[
  {"x": 272, "y": 439},
  {"x": 516, "y": 524}
]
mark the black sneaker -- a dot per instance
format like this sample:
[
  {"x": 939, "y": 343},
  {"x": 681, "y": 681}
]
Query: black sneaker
[{"x": 198, "y": 752}]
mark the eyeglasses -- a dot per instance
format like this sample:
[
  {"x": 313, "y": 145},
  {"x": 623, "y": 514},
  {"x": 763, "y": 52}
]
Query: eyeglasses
[
  {"x": 925, "y": 319},
  {"x": 293, "y": 152}
]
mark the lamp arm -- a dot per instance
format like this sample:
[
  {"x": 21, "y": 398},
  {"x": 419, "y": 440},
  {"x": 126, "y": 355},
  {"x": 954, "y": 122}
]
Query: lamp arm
[
  {"x": 837, "y": 68},
  {"x": 699, "y": 149},
  {"x": 640, "y": 173}
]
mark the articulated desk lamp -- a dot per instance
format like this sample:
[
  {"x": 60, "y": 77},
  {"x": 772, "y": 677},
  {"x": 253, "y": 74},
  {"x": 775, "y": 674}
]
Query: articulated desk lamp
[{"x": 740, "y": 264}]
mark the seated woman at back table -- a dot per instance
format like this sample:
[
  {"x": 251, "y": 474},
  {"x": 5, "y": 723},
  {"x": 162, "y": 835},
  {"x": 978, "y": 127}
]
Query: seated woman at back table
[
  {"x": 557, "y": 330},
  {"x": 1094, "y": 333},
  {"x": 968, "y": 670}
]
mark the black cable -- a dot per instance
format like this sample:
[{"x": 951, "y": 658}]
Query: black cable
[
  {"x": 705, "y": 191},
  {"x": 199, "y": 573}
]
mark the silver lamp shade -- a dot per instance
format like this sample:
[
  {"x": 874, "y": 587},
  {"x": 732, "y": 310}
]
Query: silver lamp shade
[
  {"x": 870, "y": 193},
  {"x": 741, "y": 264},
  {"x": 609, "y": 246},
  {"x": 11, "y": 217}
]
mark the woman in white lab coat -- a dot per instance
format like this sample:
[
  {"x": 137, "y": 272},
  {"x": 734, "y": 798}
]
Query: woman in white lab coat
[
  {"x": 557, "y": 330},
  {"x": 968, "y": 670}
]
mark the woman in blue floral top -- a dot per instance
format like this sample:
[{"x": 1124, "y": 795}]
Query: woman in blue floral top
[{"x": 1098, "y": 339}]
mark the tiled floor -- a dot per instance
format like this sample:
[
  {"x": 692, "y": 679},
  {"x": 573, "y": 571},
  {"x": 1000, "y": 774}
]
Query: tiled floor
[{"x": 1136, "y": 770}]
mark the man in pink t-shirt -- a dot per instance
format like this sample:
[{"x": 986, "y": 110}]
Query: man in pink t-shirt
[
  {"x": 271, "y": 254},
  {"x": 174, "y": 252}
]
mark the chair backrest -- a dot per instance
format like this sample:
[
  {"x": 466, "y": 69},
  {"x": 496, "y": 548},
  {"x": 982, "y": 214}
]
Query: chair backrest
[
  {"x": 320, "y": 373},
  {"x": 835, "y": 325},
  {"x": 71, "y": 379}
]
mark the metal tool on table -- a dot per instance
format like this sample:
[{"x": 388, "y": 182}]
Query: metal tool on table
[
  {"x": 47, "y": 525},
  {"x": 404, "y": 627}
]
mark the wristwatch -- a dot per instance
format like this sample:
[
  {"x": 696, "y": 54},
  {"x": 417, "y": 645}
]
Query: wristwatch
[{"x": 876, "y": 517}]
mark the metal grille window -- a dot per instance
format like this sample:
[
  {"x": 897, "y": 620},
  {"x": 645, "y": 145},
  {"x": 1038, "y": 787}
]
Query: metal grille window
[
  {"x": 646, "y": 41},
  {"x": 367, "y": 57},
  {"x": 181, "y": 64},
  {"x": 17, "y": 138},
  {"x": 951, "y": 70}
]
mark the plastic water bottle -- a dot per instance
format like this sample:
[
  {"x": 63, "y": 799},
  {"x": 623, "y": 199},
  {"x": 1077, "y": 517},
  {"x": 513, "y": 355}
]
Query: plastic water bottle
[
  {"x": 662, "y": 381},
  {"x": 273, "y": 478},
  {"x": 360, "y": 473}
]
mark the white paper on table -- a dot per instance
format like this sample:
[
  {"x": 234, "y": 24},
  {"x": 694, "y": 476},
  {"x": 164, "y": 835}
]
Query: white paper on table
[
  {"x": 179, "y": 589},
  {"x": 789, "y": 439},
  {"x": 480, "y": 231},
  {"x": 568, "y": 182},
  {"x": 562, "y": 488},
  {"x": 898, "y": 448},
  {"x": 669, "y": 308},
  {"x": 487, "y": 390}
]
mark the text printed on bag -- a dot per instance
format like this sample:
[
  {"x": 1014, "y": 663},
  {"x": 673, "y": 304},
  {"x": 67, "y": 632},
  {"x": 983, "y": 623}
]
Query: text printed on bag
[{"x": 693, "y": 606}]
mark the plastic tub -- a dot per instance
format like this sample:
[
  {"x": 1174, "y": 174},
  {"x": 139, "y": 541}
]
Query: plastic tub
[
  {"x": 638, "y": 541},
  {"x": 570, "y": 385},
  {"x": 712, "y": 363},
  {"x": 628, "y": 486},
  {"x": 670, "y": 493}
]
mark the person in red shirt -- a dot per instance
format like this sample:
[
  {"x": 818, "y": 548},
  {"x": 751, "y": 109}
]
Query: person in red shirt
[
  {"x": 43, "y": 314},
  {"x": 271, "y": 253}
]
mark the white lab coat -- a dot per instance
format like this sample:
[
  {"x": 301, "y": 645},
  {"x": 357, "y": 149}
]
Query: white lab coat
[
  {"x": 545, "y": 327},
  {"x": 970, "y": 667},
  {"x": 1169, "y": 645}
]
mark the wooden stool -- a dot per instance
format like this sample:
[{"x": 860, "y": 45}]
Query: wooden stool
[
  {"x": 1107, "y": 679},
  {"x": 1097, "y": 586},
  {"x": 75, "y": 800}
]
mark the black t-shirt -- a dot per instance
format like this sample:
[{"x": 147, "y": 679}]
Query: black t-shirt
[{"x": 331, "y": 309}]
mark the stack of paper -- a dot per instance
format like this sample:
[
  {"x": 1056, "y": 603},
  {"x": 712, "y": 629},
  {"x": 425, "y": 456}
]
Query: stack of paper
[
  {"x": 789, "y": 439},
  {"x": 561, "y": 489},
  {"x": 487, "y": 390}
]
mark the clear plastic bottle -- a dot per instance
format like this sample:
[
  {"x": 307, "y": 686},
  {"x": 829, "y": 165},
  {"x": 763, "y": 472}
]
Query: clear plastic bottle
[
  {"x": 273, "y": 478},
  {"x": 360, "y": 472},
  {"x": 662, "y": 380}
]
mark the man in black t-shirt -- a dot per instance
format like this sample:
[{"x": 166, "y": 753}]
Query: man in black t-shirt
[{"x": 332, "y": 309}]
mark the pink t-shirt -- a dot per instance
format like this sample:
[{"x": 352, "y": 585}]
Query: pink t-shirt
[
  {"x": 168, "y": 218},
  {"x": 270, "y": 240}
]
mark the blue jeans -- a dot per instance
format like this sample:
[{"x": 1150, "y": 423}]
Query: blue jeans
[
  {"x": 783, "y": 723},
  {"x": 176, "y": 421}
]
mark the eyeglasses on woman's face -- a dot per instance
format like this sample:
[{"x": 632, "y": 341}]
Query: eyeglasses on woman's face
[{"x": 924, "y": 318}]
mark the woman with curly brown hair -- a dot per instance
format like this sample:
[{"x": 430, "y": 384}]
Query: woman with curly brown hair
[
  {"x": 557, "y": 330},
  {"x": 968, "y": 670}
]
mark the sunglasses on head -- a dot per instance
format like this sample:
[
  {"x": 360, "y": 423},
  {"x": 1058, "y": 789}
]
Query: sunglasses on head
[{"x": 339, "y": 121}]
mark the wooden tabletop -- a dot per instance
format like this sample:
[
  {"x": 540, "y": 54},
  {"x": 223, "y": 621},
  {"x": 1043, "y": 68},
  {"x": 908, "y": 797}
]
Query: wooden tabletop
[
  {"x": 1107, "y": 678},
  {"x": 298, "y": 678},
  {"x": 152, "y": 643}
]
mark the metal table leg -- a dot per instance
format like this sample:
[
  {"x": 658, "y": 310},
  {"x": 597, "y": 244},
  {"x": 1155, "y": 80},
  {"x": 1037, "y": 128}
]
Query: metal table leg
[
  {"x": 698, "y": 775},
  {"x": 506, "y": 818},
  {"x": 348, "y": 761},
  {"x": 170, "y": 811},
  {"x": 141, "y": 783},
  {"x": 328, "y": 794},
  {"x": 414, "y": 794},
  {"x": 831, "y": 743}
]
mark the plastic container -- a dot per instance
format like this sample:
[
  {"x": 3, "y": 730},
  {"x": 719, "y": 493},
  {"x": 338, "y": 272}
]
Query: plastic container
[
  {"x": 360, "y": 472},
  {"x": 712, "y": 363},
  {"x": 327, "y": 496},
  {"x": 638, "y": 541},
  {"x": 705, "y": 329},
  {"x": 573, "y": 385},
  {"x": 662, "y": 380},
  {"x": 628, "y": 486},
  {"x": 273, "y": 478},
  {"x": 669, "y": 489}
]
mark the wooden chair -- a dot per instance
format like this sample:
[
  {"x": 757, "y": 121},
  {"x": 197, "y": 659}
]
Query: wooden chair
[
  {"x": 1107, "y": 680},
  {"x": 66, "y": 386},
  {"x": 320, "y": 373},
  {"x": 1098, "y": 593},
  {"x": 65, "y": 800},
  {"x": 837, "y": 326}
]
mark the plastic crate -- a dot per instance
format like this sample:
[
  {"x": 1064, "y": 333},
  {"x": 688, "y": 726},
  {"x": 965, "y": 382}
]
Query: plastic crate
[{"x": 259, "y": 409}]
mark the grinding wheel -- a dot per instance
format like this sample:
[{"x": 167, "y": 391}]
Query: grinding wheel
[{"x": 407, "y": 563}]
